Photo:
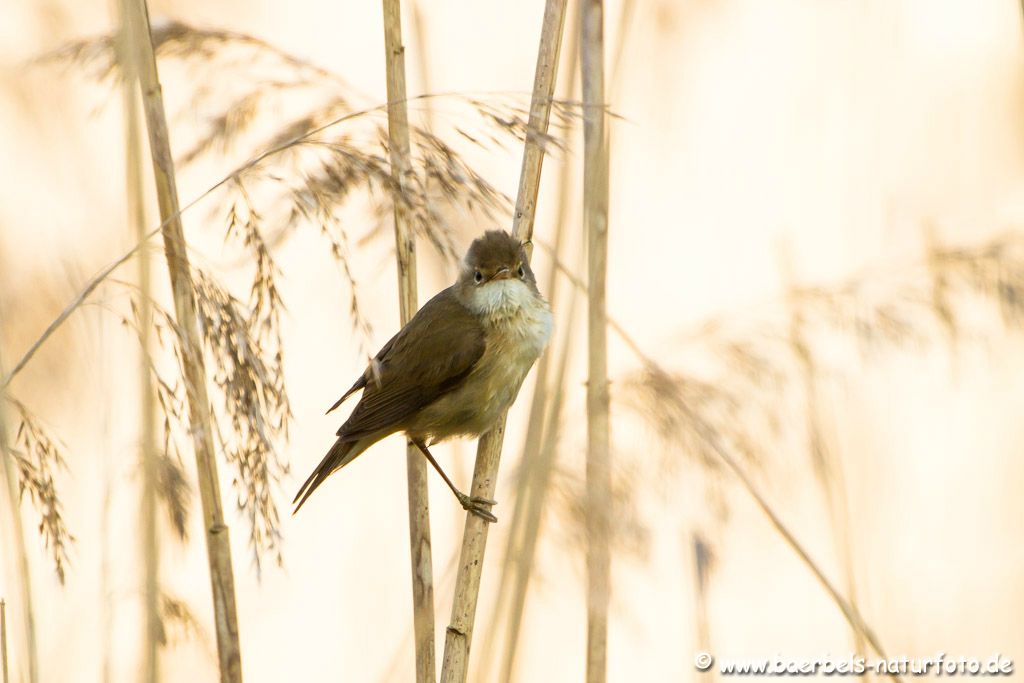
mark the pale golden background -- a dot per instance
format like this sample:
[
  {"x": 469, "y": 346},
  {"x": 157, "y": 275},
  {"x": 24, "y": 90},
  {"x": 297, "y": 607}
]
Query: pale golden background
[{"x": 827, "y": 134}]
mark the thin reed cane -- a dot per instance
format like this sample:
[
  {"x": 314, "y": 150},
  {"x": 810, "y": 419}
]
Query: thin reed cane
[
  {"x": 218, "y": 544},
  {"x": 405, "y": 256},
  {"x": 536, "y": 463},
  {"x": 455, "y": 666},
  {"x": 150, "y": 559},
  {"x": 3, "y": 640},
  {"x": 595, "y": 220},
  {"x": 543, "y": 472}
]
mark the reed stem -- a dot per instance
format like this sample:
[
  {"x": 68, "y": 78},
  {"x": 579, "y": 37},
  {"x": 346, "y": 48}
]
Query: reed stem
[
  {"x": 3, "y": 641},
  {"x": 405, "y": 256},
  {"x": 458, "y": 638},
  {"x": 595, "y": 219},
  {"x": 150, "y": 559},
  {"x": 218, "y": 544}
]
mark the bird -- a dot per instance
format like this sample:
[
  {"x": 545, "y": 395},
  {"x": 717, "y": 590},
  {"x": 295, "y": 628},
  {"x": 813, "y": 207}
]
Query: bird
[{"x": 454, "y": 368}]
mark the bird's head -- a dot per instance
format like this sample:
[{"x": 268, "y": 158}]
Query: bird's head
[{"x": 496, "y": 275}]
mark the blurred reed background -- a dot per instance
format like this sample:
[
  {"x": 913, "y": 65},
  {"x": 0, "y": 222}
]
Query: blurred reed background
[{"x": 815, "y": 292}]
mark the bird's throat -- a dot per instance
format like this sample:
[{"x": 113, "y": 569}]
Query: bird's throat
[{"x": 506, "y": 302}]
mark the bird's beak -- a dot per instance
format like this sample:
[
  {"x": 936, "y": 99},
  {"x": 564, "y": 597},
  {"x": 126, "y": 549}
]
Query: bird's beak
[{"x": 503, "y": 274}]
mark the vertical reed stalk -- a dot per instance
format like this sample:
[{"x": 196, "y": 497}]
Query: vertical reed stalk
[
  {"x": 405, "y": 254},
  {"x": 595, "y": 219},
  {"x": 3, "y": 640},
  {"x": 28, "y": 622},
  {"x": 536, "y": 477},
  {"x": 537, "y": 461},
  {"x": 458, "y": 638},
  {"x": 218, "y": 544},
  {"x": 541, "y": 473},
  {"x": 147, "y": 446}
]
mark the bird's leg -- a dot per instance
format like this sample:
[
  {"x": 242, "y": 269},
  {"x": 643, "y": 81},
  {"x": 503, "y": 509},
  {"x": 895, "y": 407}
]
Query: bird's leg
[{"x": 475, "y": 504}]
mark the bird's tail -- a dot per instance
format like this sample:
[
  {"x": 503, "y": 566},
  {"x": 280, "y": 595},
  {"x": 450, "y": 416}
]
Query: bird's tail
[{"x": 341, "y": 454}]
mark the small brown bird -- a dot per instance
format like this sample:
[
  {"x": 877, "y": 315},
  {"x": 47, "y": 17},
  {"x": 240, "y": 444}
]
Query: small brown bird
[{"x": 454, "y": 368}]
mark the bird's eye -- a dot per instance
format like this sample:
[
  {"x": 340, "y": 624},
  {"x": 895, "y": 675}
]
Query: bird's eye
[
  {"x": 521, "y": 272},
  {"x": 478, "y": 277}
]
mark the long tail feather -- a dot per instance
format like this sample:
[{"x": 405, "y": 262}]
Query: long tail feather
[{"x": 341, "y": 454}]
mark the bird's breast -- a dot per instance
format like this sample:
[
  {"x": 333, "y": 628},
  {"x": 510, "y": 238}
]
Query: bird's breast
[
  {"x": 514, "y": 343},
  {"x": 514, "y": 339}
]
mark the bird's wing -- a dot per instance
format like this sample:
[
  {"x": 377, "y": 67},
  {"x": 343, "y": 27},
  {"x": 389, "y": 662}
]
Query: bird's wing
[
  {"x": 360, "y": 383},
  {"x": 407, "y": 379},
  {"x": 370, "y": 374}
]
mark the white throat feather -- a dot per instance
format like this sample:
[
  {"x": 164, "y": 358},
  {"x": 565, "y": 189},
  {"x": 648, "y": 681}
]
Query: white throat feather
[{"x": 503, "y": 300}]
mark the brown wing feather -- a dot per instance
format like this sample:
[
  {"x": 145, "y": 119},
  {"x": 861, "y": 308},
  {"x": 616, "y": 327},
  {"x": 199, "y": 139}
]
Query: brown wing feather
[
  {"x": 335, "y": 459},
  {"x": 367, "y": 374},
  {"x": 410, "y": 379},
  {"x": 360, "y": 383}
]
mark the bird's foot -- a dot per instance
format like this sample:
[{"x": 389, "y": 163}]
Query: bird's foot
[{"x": 478, "y": 506}]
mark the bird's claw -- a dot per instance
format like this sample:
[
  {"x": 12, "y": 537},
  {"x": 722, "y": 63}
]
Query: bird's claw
[{"x": 479, "y": 506}]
